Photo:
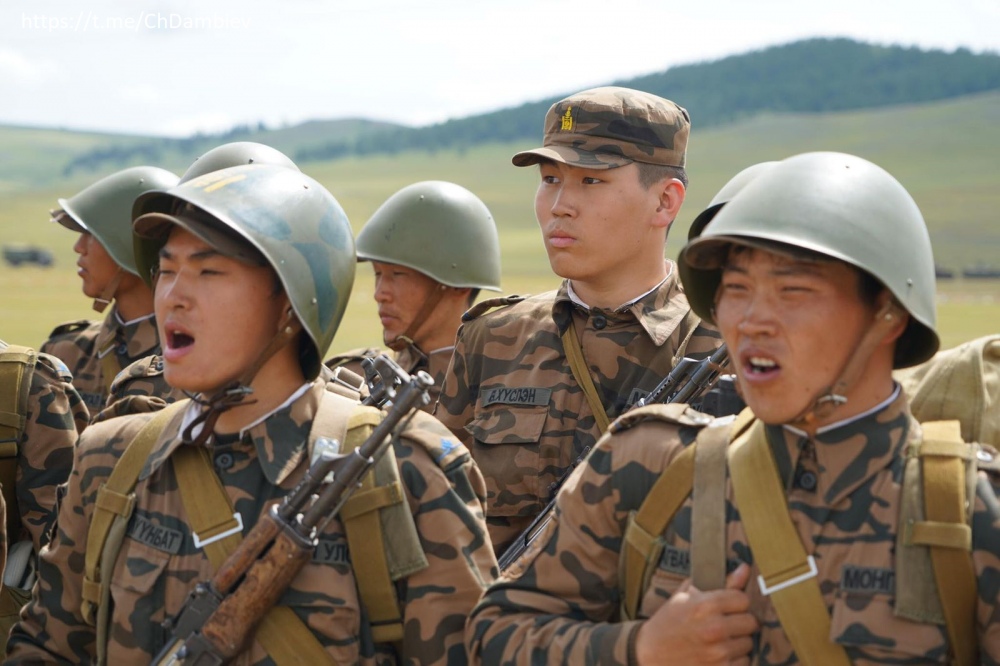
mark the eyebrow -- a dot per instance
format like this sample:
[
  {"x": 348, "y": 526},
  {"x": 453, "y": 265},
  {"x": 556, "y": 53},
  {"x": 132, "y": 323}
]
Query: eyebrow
[
  {"x": 796, "y": 267},
  {"x": 201, "y": 255}
]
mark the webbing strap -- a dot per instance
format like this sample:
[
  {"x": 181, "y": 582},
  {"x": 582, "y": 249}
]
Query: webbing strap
[
  {"x": 949, "y": 536},
  {"x": 786, "y": 572},
  {"x": 118, "y": 487},
  {"x": 577, "y": 364},
  {"x": 210, "y": 512},
  {"x": 17, "y": 364},
  {"x": 110, "y": 367},
  {"x": 362, "y": 524},
  {"x": 708, "y": 509}
]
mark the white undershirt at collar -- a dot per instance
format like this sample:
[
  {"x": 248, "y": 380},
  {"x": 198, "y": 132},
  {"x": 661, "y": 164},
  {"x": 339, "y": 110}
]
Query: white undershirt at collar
[
  {"x": 851, "y": 419},
  {"x": 133, "y": 321},
  {"x": 621, "y": 308},
  {"x": 194, "y": 409}
]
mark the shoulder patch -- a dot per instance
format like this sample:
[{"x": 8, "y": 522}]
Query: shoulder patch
[
  {"x": 57, "y": 366},
  {"x": 443, "y": 447},
  {"x": 481, "y": 308},
  {"x": 70, "y": 327},
  {"x": 676, "y": 413}
]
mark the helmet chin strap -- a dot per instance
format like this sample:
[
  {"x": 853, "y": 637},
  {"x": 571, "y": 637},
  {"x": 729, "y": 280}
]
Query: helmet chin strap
[
  {"x": 405, "y": 339},
  {"x": 102, "y": 302},
  {"x": 835, "y": 395},
  {"x": 236, "y": 392}
]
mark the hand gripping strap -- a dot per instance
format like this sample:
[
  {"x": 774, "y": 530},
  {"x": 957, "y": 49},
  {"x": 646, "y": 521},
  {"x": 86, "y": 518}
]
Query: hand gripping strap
[
  {"x": 578, "y": 365},
  {"x": 787, "y": 574},
  {"x": 943, "y": 456}
]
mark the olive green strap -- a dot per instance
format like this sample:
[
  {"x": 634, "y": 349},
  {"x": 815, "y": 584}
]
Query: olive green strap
[
  {"x": 214, "y": 523},
  {"x": 17, "y": 364},
  {"x": 110, "y": 367},
  {"x": 943, "y": 455},
  {"x": 708, "y": 509},
  {"x": 574, "y": 354},
  {"x": 787, "y": 574}
]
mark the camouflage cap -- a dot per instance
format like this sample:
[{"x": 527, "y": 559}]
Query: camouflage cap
[{"x": 605, "y": 128}]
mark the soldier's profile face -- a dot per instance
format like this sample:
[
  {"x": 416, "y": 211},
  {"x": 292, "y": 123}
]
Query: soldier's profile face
[
  {"x": 215, "y": 314},
  {"x": 400, "y": 293},
  {"x": 95, "y": 266},
  {"x": 594, "y": 221},
  {"x": 790, "y": 326}
]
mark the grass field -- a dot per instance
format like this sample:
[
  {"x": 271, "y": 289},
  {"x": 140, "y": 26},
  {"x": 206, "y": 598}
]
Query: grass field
[{"x": 944, "y": 153}]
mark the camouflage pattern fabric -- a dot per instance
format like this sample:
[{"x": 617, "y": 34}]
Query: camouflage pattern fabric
[
  {"x": 139, "y": 388},
  {"x": 78, "y": 345},
  {"x": 609, "y": 127},
  {"x": 158, "y": 564},
  {"x": 559, "y": 603},
  {"x": 410, "y": 359},
  {"x": 56, "y": 414},
  {"x": 510, "y": 394}
]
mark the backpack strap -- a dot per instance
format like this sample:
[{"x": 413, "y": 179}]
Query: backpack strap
[
  {"x": 944, "y": 461},
  {"x": 578, "y": 365},
  {"x": 17, "y": 365},
  {"x": 787, "y": 573},
  {"x": 643, "y": 544}
]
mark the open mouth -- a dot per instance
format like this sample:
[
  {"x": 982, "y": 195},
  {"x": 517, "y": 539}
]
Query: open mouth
[
  {"x": 760, "y": 365},
  {"x": 177, "y": 339}
]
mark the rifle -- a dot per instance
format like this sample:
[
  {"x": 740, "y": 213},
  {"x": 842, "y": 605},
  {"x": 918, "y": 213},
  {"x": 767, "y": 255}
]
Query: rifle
[
  {"x": 220, "y": 615},
  {"x": 686, "y": 382}
]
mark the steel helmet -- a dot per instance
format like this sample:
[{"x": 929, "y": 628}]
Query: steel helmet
[
  {"x": 728, "y": 191},
  {"x": 439, "y": 229},
  {"x": 288, "y": 217},
  {"x": 837, "y": 205},
  {"x": 235, "y": 154},
  {"x": 104, "y": 209}
]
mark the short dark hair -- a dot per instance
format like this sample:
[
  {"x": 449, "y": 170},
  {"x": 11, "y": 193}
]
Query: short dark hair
[
  {"x": 650, "y": 174},
  {"x": 473, "y": 295}
]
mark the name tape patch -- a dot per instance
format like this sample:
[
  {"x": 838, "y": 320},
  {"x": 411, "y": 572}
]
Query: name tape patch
[
  {"x": 331, "y": 552},
  {"x": 867, "y": 580},
  {"x": 538, "y": 397},
  {"x": 155, "y": 536}
]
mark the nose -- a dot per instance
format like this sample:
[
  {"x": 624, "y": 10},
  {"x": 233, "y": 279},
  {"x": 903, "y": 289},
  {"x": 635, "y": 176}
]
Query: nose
[
  {"x": 758, "y": 317},
  {"x": 172, "y": 291},
  {"x": 80, "y": 246},
  {"x": 383, "y": 294}
]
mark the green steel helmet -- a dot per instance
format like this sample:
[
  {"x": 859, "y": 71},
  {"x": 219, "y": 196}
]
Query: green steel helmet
[
  {"x": 837, "y": 205},
  {"x": 235, "y": 154},
  {"x": 439, "y": 229},
  {"x": 104, "y": 209},
  {"x": 728, "y": 191},
  {"x": 285, "y": 216}
]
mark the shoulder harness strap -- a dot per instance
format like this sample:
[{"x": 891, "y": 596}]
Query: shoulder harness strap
[
  {"x": 17, "y": 365},
  {"x": 581, "y": 373}
]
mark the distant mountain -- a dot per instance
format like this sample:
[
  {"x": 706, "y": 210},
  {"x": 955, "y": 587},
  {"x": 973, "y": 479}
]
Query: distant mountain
[
  {"x": 805, "y": 77},
  {"x": 811, "y": 76}
]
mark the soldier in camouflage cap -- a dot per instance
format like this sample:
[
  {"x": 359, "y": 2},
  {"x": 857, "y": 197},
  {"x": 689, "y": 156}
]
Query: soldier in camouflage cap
[
  {"x": 102, "y": 214},
  {"x": 612, "y": 182},
  {"x": 44, "y": 416},
  {"x": 820, "y": 277},
  {"x": 432, "y": 245},
  {"x": 253, "y": 267}
]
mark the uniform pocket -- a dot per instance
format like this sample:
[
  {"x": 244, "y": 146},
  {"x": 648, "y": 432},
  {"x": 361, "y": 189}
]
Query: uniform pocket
[
  {"x": 506, "y": 448},
  {"x": 866, "y": 625},
  {"x": 137, "y": 605}
]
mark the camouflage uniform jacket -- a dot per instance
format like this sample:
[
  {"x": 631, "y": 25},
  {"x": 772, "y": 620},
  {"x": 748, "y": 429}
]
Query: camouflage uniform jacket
[
  {"x": 411, "y": 359},
  {"x": 140, "y": 387},
  {"x": 511, "y": 397},
  {"x": 79, "y": 344},
  {"x": 158, "y": 563},
  {"x": 559, "y": 603},
  {"x": 54, "y": 416}
]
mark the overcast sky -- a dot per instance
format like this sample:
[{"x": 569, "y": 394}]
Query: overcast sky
[{"x": 173, "y": 67}]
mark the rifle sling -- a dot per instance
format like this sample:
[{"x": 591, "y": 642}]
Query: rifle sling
[
  {"x": 778, "y": 551},
  {"x": 578, "y": 365}
]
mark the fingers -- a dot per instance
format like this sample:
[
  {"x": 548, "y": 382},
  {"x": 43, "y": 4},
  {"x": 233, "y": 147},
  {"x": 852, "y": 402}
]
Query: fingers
[{"x": 738, "y": 579}]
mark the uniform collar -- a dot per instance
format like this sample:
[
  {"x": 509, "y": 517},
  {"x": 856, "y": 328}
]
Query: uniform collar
[
  {"x": 850, "y": 452},
  {"x": 659, "y": 311},
  {"x": 139, "y": 335},
  {"x": 280, "y": 436}
]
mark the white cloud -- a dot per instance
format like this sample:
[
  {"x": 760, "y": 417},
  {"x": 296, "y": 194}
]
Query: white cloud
[
  {"x": 19, "y": 67},
  {"x": 206, "y": 122}
]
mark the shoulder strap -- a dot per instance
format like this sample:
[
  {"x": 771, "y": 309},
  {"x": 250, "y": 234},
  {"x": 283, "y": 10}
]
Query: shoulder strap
[
  {"x": 17, "y": 365},
  {"x": 574, "y": 354},
  {"x": 643, "y": 544},
  {"x": 787, "y": 574},
  {"x": 944, "y": 458}
]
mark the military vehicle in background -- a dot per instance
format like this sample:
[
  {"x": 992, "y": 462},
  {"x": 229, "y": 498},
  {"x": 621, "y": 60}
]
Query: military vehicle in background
[
  {"x": 981, "y": 272},
  {"x": 17, "y": 255}
]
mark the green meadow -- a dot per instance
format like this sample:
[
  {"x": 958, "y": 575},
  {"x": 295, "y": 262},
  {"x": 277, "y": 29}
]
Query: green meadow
[{"x": 944, "y": 153}]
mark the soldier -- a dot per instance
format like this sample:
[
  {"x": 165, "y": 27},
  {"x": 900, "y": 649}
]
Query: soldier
[
  {"x": 820, "y": 277},
  {"x": 254, "y": 266},
  {"x": 43, "y": 414},
  {"x": 96, "y": 351},
  {"x": 140, "y": 386},
  {"x": 532, "y": 385},
  {"x": 433, "y": 246}
]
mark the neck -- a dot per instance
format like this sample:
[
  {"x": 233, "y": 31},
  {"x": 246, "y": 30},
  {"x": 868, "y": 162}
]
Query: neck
[
  {"x": 133, "y": 299},
  {"x": 611, "y": 294},
  {"x": 277, "y": 379}
]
